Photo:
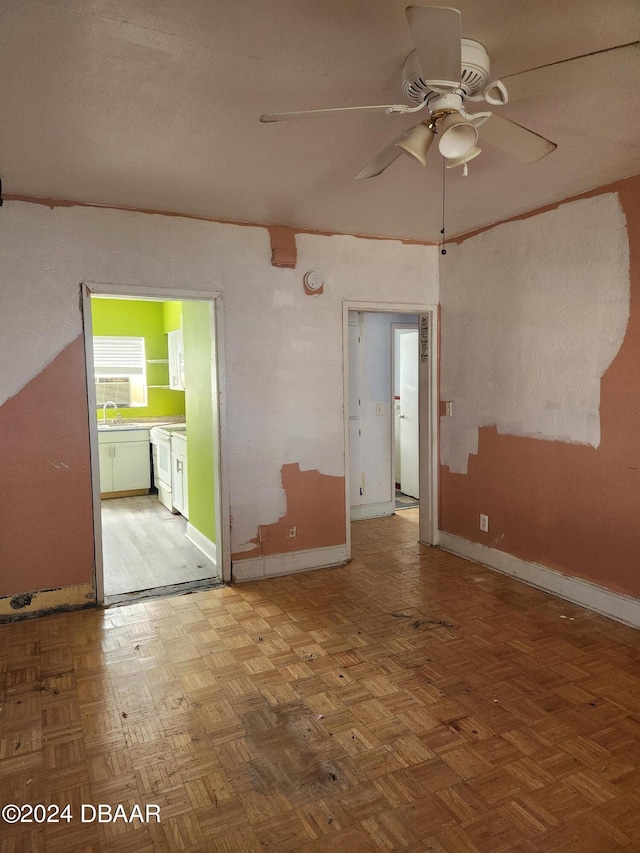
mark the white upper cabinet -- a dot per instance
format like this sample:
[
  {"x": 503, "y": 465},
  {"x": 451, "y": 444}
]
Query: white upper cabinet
[{"x": 176, "y": 360}]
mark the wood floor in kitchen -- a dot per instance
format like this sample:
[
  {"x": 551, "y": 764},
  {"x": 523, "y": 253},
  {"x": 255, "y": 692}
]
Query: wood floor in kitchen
[
  {"x": 408, "y": 701},
  {"x": 145, "y": 547}
]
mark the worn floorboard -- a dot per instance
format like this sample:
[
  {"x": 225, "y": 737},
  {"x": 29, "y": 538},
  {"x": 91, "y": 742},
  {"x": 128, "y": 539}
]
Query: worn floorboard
[
  {"x": 145, "y": 547},
  {"x": 409, "y": 701}
]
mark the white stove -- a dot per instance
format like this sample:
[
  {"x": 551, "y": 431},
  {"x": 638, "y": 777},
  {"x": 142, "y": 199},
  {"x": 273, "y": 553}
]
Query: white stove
[{"x": 160, "y": 438}]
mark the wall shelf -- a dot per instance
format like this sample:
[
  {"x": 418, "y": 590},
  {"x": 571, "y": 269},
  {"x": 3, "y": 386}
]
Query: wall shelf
[
  {"x": 158, "y": 386},
  {"x": 157, "y": 361}
]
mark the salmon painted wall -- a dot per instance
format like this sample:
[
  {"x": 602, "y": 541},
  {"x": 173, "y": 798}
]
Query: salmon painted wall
[
  {"x": 540, "y": 353},
  {"x": 282, "y": 354},
  {"x": 45, "y": 494}
]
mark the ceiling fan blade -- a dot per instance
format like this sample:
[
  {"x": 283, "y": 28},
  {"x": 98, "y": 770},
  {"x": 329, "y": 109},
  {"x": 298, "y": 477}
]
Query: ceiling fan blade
[
  {"x": 376, "y": 108},
  {"x": 436, "y": 31},
  {"x": 384, "y": 158},
  {"x": 614, "y": 63},
  {"x": 518, "y": 141}
]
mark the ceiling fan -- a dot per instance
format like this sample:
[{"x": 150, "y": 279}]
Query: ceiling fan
[{"x": 441, "y": 76}]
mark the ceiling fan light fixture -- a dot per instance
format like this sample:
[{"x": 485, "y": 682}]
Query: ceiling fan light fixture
[
  {"x": 452, "y": 162},
  {"x": 417, "y": 142},
  {"x": 457, "y": 136}
]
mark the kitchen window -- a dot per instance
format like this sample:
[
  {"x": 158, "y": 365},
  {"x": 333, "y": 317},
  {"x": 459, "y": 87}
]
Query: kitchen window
[{"x": 120, "y": 370}]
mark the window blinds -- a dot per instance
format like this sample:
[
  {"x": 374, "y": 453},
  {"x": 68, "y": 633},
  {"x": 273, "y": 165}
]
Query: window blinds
[{"x": 118, "y": 356}]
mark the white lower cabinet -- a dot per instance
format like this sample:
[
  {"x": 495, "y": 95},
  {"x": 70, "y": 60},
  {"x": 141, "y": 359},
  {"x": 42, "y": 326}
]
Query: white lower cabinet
[
  {"x": 106, "y": 466},
  {"x": 179, "y": 478},
  {"x": 124, "y": 461}
]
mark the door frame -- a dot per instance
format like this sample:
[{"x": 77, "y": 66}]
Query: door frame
[
  {"x": 154, "y": 293},
  {"x": 399, "y": 327},
  {"x": 427, "y": 406}
]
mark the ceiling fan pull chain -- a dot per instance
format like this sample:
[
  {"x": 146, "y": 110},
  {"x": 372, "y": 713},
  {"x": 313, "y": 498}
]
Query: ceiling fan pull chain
[{"x": 443, "y": 251}]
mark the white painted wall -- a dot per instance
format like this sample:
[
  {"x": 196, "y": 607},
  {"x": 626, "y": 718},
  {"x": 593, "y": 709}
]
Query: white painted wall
[
  {"x": 283, "y": 349},
  {"x": 533, "y": 313}
]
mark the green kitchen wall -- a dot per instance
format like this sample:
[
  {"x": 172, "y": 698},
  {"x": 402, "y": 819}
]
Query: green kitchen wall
[
  {"x": 142, "y": 318},
  {"x": 199, "y": 357},
  {"x": 171, "y": 316}
]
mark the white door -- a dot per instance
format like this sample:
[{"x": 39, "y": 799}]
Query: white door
[
  {"x": 179, "y": 481},
  {"x": 106, "y": 467},
  {"x": 131, "y": 466},
  {"x": 409, "y": 433},
  {"x": 355, "y": 424}
]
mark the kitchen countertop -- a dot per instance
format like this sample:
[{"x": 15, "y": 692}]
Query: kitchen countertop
[{"x": 129, "y": 424}]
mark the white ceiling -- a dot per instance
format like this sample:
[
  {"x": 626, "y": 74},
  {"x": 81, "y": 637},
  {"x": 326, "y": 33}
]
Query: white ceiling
[{"x": 155, "y": 104}]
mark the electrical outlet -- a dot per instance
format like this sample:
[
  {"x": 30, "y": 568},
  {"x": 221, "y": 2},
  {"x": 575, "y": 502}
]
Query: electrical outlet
[
  {"x": 484, "y": 523},
  {"x": 379, "y": 409},
  {"x": 293, "y": 531}
]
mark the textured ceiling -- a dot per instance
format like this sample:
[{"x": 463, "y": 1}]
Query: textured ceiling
[{"x": 155, "y": 104}]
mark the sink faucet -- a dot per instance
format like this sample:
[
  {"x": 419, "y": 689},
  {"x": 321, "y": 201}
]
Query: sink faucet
[{"x": 104, "y": 410}]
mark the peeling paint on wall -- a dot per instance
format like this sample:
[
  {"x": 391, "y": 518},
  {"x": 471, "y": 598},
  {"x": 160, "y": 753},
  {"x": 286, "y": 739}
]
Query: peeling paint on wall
[
  {"x": 283, "y": 352},
  {"x": 567, "y": 506},
  {"x": 283, "y": 246},
  {"x": 315, "y": 511},
  {"x": 533, "y": 313},
  {"x": 292, "y": 375}
]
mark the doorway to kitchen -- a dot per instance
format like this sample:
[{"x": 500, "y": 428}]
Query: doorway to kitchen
[
  {"x": 390, "y": 413},
  {"x": 154, "y": 381}
]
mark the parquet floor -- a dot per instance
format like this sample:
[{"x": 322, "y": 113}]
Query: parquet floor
[{"x": 409, "y": 701}]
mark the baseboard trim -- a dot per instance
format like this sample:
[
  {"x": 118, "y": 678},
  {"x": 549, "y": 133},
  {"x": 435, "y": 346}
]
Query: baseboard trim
[
  {"x": 377, "y": 510},
  {"x": 256, "y": 568},
  {"x": 203, "y": 544},
  {"x": 46, "y": 601},
  {"x": 615, "y": 605},
  {"x": 128, "y": 493}
]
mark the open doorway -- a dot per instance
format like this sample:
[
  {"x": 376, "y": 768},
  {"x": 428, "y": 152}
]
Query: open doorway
[
  {"x": 391, "y": 405},
  {"x": 406, "y": 434},
  {"x": 153, "y": 377}
]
